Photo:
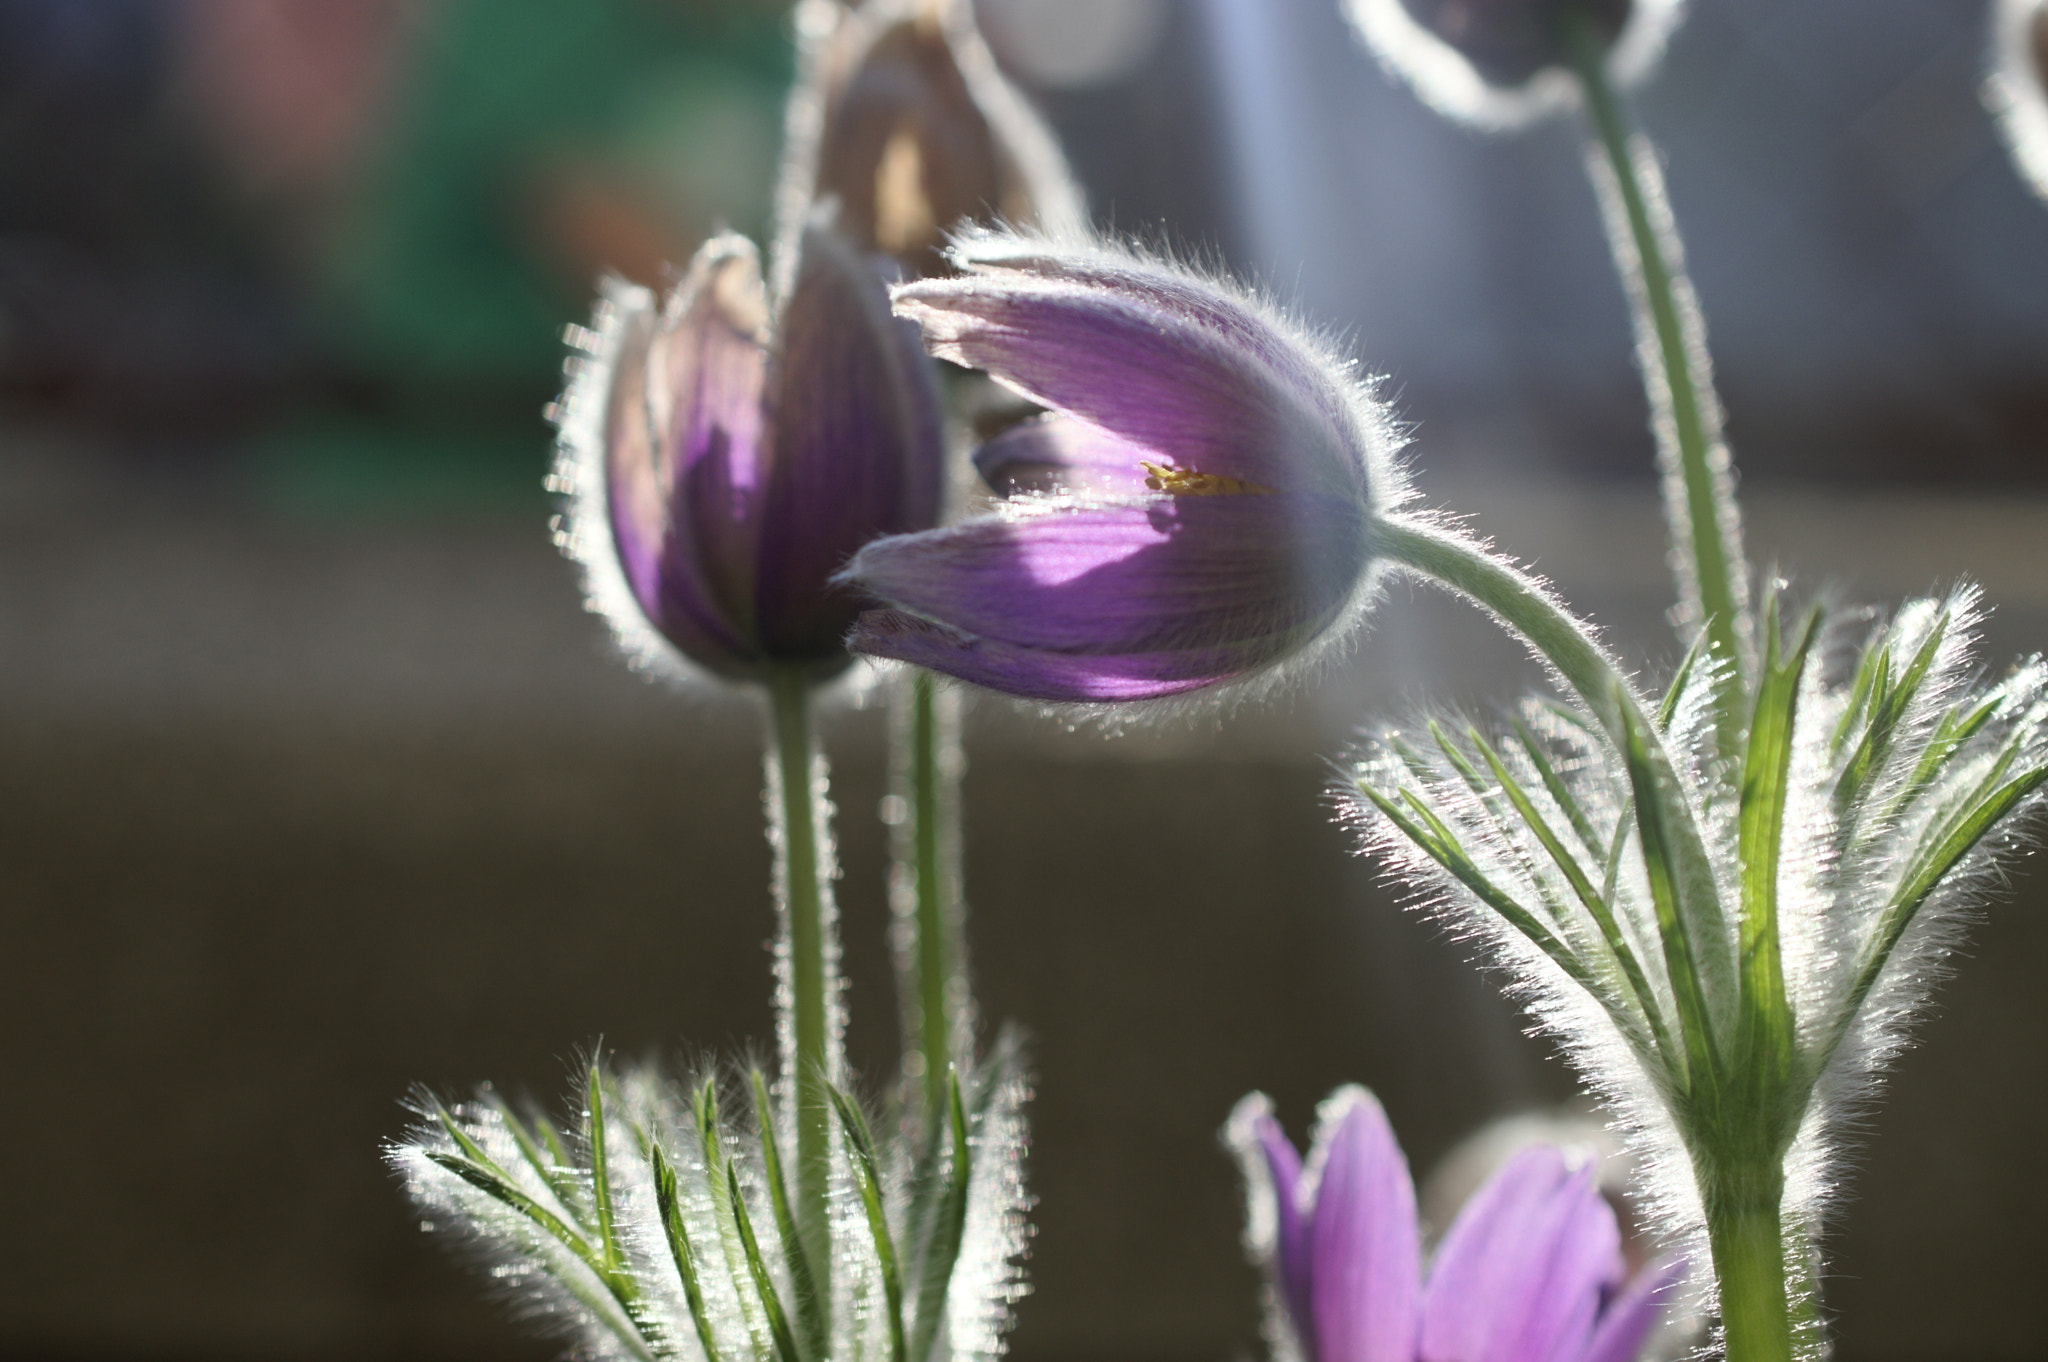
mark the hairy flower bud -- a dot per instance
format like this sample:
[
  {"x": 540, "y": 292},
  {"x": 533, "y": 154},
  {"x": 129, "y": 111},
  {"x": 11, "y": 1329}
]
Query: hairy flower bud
[
  {"x": 1502, "y": 63},
  {"x": 1198, "y": 508},
  {"x": 724, "y": 457},
  {"x": 905, "y": 120},
  {"x": 2017, "y": 90}
]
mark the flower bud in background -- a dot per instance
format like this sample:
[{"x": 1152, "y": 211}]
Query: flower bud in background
[
  {"x": 724, "y": 456},
  {"x": 903, "y": 117},
  {"x": 1197, "y": 508},
  {"x": 2017, "y": 89},
  {"x": 1531, "y": 1270},
  {"x": 1503, "y": 63}
]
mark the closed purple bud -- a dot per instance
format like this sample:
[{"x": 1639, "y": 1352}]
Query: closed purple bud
[
  {"x": 1197, "y": 508},
  {"x": 904, "y": 119},
  {"x": 724, "y": 458},
  {"x": 1502, "y": 63}
]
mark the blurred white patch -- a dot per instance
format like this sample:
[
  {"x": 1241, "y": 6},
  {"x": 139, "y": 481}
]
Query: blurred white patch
[{"x": 1066, "y": 44}]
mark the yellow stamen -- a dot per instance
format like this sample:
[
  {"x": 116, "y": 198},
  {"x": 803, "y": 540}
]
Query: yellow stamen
[{"x": 1186, "y": 482}]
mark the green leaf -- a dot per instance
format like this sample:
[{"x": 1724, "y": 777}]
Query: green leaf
[
  {"x": 1436, "y": 840},
  {"x": 1981, "y": 813},
  {"x": 1873, "y": 677},
  {"x": 1673, "y": 693},
  {"x": 941, "y": 1249},
  {"x": 1582, "y": 826},
  {"x": 867, "y": 1177},
  {"x": 670, "y": 1207},
  {"x": 1887, "y": 708},
  {"x": 1654, "y": 816},
  {"x": 726, "y": 1211},
  {"x": 1951, "y": 735},
  {"x": 810, "y": 1309},
  {"x": 1458, "y": 760},
  {"x": 600, "y": 1176},
  {"x": 554, "y": 1169},
  {"x": 1766, "y": 1035},
  {"x": 1645, "y": 1013},
  {"x": 757, "y": 1270},
  {"x": 476, "y": 1167}
]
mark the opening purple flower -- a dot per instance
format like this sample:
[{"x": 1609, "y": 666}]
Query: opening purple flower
[
  {"x": 724, "y": 457},
  {"x": 1530, "y": 1271},
  {"x": 1197, "y": 508}
]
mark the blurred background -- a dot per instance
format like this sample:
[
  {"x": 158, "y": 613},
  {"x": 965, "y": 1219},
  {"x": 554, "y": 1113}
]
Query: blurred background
[{"x": 315, "y": 781}]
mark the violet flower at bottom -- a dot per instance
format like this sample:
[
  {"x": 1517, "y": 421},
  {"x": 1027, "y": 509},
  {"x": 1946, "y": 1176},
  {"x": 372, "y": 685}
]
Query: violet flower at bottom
[{"x": 1530, "y": 1271}]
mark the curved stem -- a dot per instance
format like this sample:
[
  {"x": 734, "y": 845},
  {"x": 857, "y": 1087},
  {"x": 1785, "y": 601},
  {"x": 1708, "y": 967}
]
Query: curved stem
[
  {"x": 1671, "y": 350},
  {"x": 807, "y": 961},
  {"x": 1695, "y": 933}
]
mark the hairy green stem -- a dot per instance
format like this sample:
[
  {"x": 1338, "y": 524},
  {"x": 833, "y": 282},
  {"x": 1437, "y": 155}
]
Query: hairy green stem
[
  {"x": 808, "y": 960},
  {"x": 926, "y": 885},
  {"x": 1748, "y": 1243},
  {"x": 1671, "y": 346}
]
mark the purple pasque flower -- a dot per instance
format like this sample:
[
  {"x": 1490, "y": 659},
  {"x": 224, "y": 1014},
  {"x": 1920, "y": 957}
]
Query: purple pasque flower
[
  {"x": 1197, "y": 507},
  {"x": 724, "y": 455},
  {"x": 1530, "y": 1271}
]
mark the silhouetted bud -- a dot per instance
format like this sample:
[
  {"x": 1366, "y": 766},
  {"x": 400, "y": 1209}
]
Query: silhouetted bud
[
  {"x": 903, "y": 117},
  {"x": 1500, "y": 63},
  {"x": 2018, "y": 88}
]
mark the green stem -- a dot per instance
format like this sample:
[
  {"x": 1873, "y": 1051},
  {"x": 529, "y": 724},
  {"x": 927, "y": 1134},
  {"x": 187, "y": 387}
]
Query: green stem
[
  {"x": 1671, "y": 347},
  {"x": 808, "y": 962},
  {"x": 928, "y": 884},
  {"x": 1748, "y": 1242}
]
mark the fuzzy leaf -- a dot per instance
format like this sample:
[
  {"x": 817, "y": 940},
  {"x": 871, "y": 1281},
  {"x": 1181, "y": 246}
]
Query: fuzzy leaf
[
  {"x": 1429, "y": 833},
  {"x": 670, "y": 1208},
  {"x": 803, "y": 1284},
  {"x": 1766, "y": 1036},
  {"x": 941, "y": 1249},
  {"x": 1645, "y": 1012},
  {"x": 757, "y": 1271},
  {"x": 600, "y": 1177},
  {"x": 1652, "y": 799},
  {"x": 867, "y": 1177}
]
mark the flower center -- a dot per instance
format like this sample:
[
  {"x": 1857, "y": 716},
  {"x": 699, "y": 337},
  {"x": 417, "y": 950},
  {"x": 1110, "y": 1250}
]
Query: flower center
[{"x": 1186, "y": 482}]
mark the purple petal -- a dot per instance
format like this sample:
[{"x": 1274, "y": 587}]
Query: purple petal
[
  {"x": 658, "y": 553},
  {"x": 1634, "y": 1313},
  {"x": 1032, "y": 674},
  {"x": 1363, "y": 1242},
  {"x": 1250, "y": 577},
  {"x": 1269, "y": 1161},
  {"x": 705, "y": 373},
  {"x": 1522, "y": 1272},
  {"x": 1141, "y": 353},
  {"x": 858, "y": 445},
  {"x": 1058, "y": 454}
]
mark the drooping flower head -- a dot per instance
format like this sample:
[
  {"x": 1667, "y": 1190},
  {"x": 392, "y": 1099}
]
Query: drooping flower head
[
  {"x": 904, "y": 119},
  {"x": 1530, "y": 1271},
  {"x": 1197, "y": 507},
  {"x": 725, "y": 455},
  {"x": 2017, "y": 89},
  {"x": 1504, "y": 63}
]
